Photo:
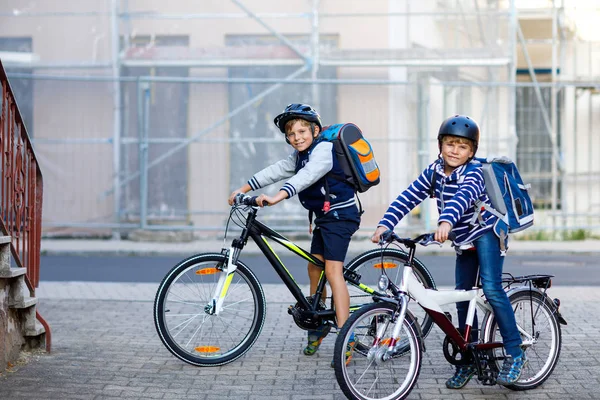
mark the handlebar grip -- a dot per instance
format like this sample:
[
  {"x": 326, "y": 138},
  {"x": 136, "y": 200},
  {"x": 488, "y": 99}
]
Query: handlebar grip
[
  {"x": 387, "y": 236},
  {"x": 246, "y": 200},
  {"x": 452, "y": 236}
]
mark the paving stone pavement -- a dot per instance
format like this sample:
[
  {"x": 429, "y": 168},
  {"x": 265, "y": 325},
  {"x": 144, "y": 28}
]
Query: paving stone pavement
[{"x": 105, "y": 347}]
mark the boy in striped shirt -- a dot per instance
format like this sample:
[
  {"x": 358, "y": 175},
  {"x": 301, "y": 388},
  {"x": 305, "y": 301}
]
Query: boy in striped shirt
[{"x": 456, "y": 181}]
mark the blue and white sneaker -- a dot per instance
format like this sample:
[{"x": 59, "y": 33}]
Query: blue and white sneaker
[
  {"x": 512, "y": 369},
  {"x": 461, "y": 377}
]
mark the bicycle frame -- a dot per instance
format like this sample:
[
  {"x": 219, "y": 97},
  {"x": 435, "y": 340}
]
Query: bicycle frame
[
  {"x": 259, "y": 233},
  {"x": 431, "y": 301}
]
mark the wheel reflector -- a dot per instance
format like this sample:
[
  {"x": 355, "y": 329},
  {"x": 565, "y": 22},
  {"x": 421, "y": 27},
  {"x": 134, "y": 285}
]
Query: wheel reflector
[
  {"x": 207, "y": 271},
  {"x": 386, "y": 265},
  {"x": 207, "y": 349}
]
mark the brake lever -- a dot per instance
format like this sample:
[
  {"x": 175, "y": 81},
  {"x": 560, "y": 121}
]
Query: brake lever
[{"x": 428, "y": 240}]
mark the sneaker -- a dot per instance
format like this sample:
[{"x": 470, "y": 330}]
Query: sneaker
[
  {"x": 314, "y": 340},
  {"x": 511, "y": 369},
  {"x": 349, "y": 349},
  {"x": 461, "y": 377}
]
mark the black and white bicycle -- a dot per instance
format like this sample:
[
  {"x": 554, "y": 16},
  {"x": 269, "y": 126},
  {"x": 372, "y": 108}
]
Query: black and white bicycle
[{"x": 210, "y": 308}]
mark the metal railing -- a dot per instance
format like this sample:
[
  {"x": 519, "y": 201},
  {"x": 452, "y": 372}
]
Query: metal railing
[
  {"x": 21, "y": 192},
  {"x": 20, "y": 188}
]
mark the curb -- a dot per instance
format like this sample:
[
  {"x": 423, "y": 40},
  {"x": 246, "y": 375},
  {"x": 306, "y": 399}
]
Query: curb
[{"x": 89, "y": 247}]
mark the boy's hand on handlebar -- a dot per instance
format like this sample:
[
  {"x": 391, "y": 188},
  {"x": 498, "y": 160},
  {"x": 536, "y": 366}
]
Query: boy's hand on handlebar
[
  {"x": 377, "y": 234},
  {"x": 245, "y": 188},
  {"x": 264, "y": 200},
  {"x": 442, "y": 232},
  {"x": 231, "y": 199}
]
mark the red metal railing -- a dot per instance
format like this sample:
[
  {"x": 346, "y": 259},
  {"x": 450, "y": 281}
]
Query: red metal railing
[{"x": 21, "y": 191}]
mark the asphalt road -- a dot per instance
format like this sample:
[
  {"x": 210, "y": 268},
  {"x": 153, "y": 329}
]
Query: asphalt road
[{"x": 571, "y": 270}]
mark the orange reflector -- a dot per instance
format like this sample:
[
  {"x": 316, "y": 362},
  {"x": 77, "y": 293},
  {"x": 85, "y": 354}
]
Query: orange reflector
[
  {"x": 207, "y": 271},
  {"x": 207, "y": 349},
  {"x": 385, "y": 341},
  {"x": 386, "y": 265}
]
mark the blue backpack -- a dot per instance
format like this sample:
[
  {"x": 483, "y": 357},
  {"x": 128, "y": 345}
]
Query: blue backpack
[
  {"x": 355, "y": 155},
  {"x": 507, "y": 192}
]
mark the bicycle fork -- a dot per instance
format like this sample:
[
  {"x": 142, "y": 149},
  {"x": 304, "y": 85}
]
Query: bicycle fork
[
  {"x": 216, "y": 303},
  {"x": 383, "y": 347}
]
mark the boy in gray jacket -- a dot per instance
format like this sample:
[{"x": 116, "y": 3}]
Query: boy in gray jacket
[{"x": 311, "y": 169}]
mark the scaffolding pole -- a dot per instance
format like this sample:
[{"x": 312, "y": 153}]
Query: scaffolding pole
[
  {"x": 314, "y": 41},
  {"x": 116, "y": 114}
]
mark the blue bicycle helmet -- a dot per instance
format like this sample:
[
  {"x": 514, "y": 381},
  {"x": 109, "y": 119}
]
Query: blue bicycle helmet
[{"x": 295, "y": 111}]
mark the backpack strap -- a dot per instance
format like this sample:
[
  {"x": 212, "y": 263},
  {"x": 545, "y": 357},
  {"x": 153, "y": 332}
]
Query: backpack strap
[
  {"x": 433, "y": 182},
  {"x": 479, "y": 207},
  {"x": 361, "y": 211},
  {"x": 326, "y": 204}
]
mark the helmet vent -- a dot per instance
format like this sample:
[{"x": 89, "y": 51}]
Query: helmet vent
[
  {"x": 467, "y": 125},
  {"x": 453, "y": 122}
]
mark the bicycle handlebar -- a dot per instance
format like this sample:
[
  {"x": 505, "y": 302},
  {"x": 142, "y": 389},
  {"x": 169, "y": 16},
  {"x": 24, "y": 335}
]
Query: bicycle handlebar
[
  {"x": 244, "y": 199},
  {"x": 425, "y": 239}
]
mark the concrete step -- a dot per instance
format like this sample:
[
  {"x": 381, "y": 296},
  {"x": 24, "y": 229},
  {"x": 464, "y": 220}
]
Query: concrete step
[
  {"x": 37, "y": 330},
  {"x": 25, "y": 302},
  {"x": 12, "y": 273}
]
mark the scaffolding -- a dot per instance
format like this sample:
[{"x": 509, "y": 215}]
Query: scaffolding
[{"x": 477, "y": 55}]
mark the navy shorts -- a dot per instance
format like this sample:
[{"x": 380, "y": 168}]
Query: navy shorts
[{"x": 333, "y": 232}]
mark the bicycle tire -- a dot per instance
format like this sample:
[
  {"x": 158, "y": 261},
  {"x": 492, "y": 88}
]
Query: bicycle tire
[
  {"x": 193, "y": 335},
  {"x": 364, "y": 263},
  {"x": 366, "y": 376},
  {"x": 544, "y": 352}
]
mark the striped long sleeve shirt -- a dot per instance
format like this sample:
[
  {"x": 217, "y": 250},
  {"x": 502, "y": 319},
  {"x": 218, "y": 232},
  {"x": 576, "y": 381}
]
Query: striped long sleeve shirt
[{"x": 455, "y": 195}]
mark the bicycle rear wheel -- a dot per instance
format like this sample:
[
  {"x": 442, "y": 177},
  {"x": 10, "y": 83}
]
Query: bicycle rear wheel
[
  {"x": 541, "y": 335},
  {"x": 369, "y": 265},
  {"x": 182, "y": 311},
  {"x": 366, "y": 375}
]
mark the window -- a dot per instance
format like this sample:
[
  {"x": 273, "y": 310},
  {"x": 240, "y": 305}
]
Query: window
[
  {"x": 260, "y": 116},
  {"x": 167, "y": 119},
  {"x": 534, "y": 150}
]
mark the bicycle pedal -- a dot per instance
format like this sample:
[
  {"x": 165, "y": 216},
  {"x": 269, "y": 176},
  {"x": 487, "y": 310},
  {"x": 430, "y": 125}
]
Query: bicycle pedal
[
  {"x": 488, "y": 382},
  {"x": 352, "y": 276}
]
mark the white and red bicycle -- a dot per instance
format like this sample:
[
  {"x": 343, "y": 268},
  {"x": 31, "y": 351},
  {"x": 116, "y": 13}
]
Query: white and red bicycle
[{"x": 386, "y": 357}]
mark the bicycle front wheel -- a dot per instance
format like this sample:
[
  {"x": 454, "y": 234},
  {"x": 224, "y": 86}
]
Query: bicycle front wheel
[
  {"x": 540, "y": 333},
  {"x": 367, "y": 371},
  {"x": 183, "y": 311},
  {"x": 369, "y": 265}
]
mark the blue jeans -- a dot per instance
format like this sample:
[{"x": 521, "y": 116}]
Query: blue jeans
[{"x": 487, "y": 257}]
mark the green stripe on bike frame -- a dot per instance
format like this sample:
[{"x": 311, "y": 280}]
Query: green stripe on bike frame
[
  {"x": 226, "y": 285},
  {"x": 365, "y": 288},
  {"x": 295, "y": 249},
  {"x": 272, "y": 251}
]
